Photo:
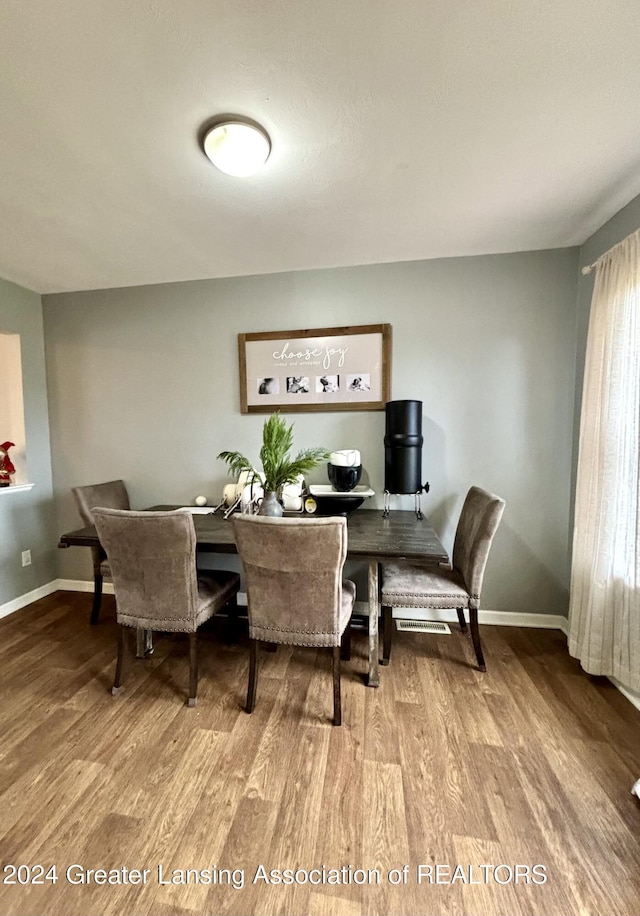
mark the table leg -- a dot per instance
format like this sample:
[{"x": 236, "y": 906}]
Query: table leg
[
  {"x": 374, "y": 674},
  {"x": 144, "y": 643}
]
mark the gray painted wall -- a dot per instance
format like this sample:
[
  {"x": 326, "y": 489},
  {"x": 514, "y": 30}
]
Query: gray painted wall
[
  {"x": 27, "y": 519},
  {"x": 143, "y": 385}
]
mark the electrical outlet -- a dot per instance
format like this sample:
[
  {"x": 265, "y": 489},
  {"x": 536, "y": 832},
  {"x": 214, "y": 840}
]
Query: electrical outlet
[{"x": 26, "y": 558}]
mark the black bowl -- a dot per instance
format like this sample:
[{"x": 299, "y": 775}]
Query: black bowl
[
  {"x": 344, "y": 479},
  {"x": 337, "y": 505}
]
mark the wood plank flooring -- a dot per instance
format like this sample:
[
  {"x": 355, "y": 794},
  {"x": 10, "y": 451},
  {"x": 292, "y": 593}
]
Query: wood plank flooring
[{"x": 441, "y": 767}]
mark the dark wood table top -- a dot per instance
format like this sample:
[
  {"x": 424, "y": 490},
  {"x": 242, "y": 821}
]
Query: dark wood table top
[{"x": 370, "y": 536}]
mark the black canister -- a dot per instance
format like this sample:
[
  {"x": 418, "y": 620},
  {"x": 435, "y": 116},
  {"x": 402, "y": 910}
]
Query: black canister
[{"x": 403, "y": 447}]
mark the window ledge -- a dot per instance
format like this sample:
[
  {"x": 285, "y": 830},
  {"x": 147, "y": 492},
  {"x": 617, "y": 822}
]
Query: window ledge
[{"x": 17, "y": 486}]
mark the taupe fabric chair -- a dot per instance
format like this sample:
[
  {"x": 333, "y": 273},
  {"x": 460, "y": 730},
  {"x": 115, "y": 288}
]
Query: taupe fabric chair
[
  {"x": 152, "y": 556},
  {"x": 296, "y": 593},
  {"x": 411, "y": 585},
  {"x": 111, "y": 495}
]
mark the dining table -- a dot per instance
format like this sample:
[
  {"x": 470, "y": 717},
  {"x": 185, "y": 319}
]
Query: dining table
[{"x": 371, "y": 537}]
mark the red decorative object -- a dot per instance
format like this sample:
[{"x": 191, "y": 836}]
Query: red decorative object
[{"x": 6, "y": 464}]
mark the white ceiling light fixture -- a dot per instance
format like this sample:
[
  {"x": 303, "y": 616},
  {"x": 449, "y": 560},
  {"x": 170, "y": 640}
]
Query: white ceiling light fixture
[{"x": 238, "y": 148}]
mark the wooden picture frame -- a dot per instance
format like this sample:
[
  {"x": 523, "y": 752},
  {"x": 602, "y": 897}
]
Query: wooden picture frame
[{"x": 315, "y": 369}]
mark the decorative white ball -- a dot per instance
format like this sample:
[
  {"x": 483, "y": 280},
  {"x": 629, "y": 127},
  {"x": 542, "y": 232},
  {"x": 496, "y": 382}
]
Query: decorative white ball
[{"x": 200, "y": 500}]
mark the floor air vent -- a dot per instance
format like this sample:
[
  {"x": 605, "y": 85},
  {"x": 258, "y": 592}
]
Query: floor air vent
[{"x": 423, "y": 626}]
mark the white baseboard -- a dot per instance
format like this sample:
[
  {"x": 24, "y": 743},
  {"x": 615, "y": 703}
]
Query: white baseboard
[
  {"x": 23, "y": 600},
  {"x": 496, "y": 618},
  {"x": 56, "y": 585},
  {"x": 629, "y": 694},
  {"x": 79, "y": 585},
  {"x": 492, "y": 618}
]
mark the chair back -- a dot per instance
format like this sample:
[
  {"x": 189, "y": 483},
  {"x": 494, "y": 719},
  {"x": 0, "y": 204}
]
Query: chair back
[
  {"x": 293, "y": 571},
  {"x": 152, "y": 556},
  {"x": 479, "y": 520},
  {"x": 112, "y": 494}
]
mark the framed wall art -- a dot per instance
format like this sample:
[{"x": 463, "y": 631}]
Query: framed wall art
[{"x": 317, "y": 369}]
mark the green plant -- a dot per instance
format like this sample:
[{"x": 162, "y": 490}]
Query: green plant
[{"x": 278, "y": 468}]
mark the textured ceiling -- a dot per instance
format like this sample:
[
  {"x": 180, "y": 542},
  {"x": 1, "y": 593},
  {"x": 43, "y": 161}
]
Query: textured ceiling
[{"x": 401, "y": 130}]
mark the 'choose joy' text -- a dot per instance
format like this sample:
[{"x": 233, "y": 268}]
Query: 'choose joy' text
[{"x": 310, "y": 353}]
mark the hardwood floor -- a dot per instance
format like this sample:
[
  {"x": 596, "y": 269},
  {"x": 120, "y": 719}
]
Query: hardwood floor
[{"x": 522, "y": 773}]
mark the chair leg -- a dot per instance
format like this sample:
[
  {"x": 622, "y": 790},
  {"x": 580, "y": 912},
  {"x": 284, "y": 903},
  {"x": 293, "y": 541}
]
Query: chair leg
[
  {"x": 253, "y": 675},
  {"x": 97, "y": 599},
  {"x": 346, "y": 643},
  {"x": 337, "y": 705},
  {"x": 475, "y": 636},
  {"x": 117, "y": 688},
  {"x": 193, "y": 669},
  {"x": 463, "y": 622},
  {"x": 387, "y": 633}
]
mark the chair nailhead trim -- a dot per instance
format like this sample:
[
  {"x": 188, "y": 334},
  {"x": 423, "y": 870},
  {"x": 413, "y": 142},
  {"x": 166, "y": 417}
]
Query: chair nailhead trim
[
  {"x": 429, "y": 595},
  {"x": 264, "y": 626}
]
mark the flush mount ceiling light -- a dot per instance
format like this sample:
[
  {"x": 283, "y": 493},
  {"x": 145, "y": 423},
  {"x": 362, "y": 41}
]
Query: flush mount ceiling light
[{"x": 236, "y": 147}]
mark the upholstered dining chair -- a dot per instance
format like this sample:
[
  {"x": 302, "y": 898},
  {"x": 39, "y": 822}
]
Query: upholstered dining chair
[
  {"x": 111, "y": 495},
  {"x": 295, "y": 590},
  {"x": 152, "y": 556},
  {"x": 411, "y": 585}
]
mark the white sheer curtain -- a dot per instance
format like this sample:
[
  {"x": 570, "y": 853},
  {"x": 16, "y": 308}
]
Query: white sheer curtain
[{"x": 604, "y": 609}]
